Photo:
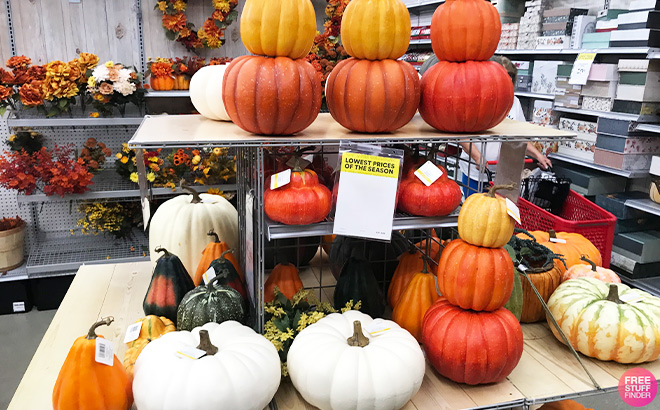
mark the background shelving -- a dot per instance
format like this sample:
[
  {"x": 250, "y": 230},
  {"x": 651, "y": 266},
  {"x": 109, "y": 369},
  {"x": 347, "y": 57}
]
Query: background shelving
[
  {"x": 645, "y": 205},
  {"x": 578, "y": 161},
  {"x": 73, "y": 122},
  {"x": 534, "y": 95}
]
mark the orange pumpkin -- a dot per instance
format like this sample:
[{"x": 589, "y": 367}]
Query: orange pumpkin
[
  {"x": 576, "y": 245},
  {"x": 212, "y": 252},
  {"x": 327, "y": 243},
  {"x": 152, "y": 328},
  {"x": 590, "y": 271},
  {"x": 563, "y": 405},
  {"x": 272, "y": 96},
  {"x": 181, "y": 82},
  {"x": 285, "y": 277},
  {"x": 83, "y": 383},
  {"x": 373, "y": 96},
  {"x": 410, "y": 263},
  {"x": 416, "y": 299},
  {"x": 161, "y": 83},
  {"x": 546, "y": 279}
]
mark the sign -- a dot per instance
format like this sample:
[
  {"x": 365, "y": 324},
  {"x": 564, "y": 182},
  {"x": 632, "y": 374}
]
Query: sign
[
  {"x": 377, "y": 327},
  {"x": 18, "y": 307},
  {"x": 581, "y": 68}
]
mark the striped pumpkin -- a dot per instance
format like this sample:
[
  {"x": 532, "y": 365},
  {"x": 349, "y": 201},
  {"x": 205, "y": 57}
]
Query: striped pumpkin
[
  {"x": 210, "y": 303},
  {"x": 608, "y": 321},
  {"x": 152, "y": 328}
]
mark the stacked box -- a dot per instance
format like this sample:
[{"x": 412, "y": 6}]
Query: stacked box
[
  {"x": 584, "y": 145},
  {"x": 544, "y": 76},
  {"x": 639, "y": 80},
  {"x": 557, "y": 27},
  {"x": 509, "y": 37},
  {"x": 596, "y": 40},
  {"x": 620, "y": 146},
  {"x": 640, "y": 27},
  {"x": 524, "y": 80},
  {"x": 599, "y": 92},
  {"x": 567, "y": 95},
  {"x": 544, "y": 115},
  {"x": 530, "y": 24},
  {"x": 581, "y": 26}
]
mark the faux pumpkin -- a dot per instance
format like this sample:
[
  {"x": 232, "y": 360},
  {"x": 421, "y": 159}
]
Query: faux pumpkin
[
  {"x": 598, "y": 321},
  {"x": 416, "y": 299},
  {"x": 241, "y": 365},
  {"x": 161, "y": 83},
  {"x": 410, "y": 263},
  {"x": 576, "y": 245},
  {"x": 299, "y": 251},
  {"x": 475, "y": 278},
  {"x": 382, "y": 256},
  {"x": 373, "y": 96},
  {"x": 441, "y": 198},
  {"x": 278, "y": 28},
  {"x": 210, "y": 303},
  {"x": 465, "y": 97},
  {"x": 654, "y": 193},
  {"x": 484, "y": 221},
  {"x": 169, "y": 284},
  {"x": 181, "y": 82},
  {"x": 590, "y": 271},
  {"x": 84, "y": 383},
  {"x": 285, "y": 277},
  {"x": 152, "y": 328},
  {"x": 228, "y": 274},
  {"x": 456, "y": 342},
  {"x": 335, "y": 364},
  {"x": 212, "y": 252},
  {"x": 465, "y": 30},
  {"x": 272, "y": 96},
  {"x": 206, "y": 92},
  {"x": 180, "y": 225},
  {"x": 563, "y": 405},
  {"x": 358, "y": 283}
]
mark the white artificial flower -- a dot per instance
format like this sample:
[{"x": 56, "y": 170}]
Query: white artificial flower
[
  {"x": 124, "y": 87},
  {"x": 124, "y": 75},
  {"x": 100, "y": 73}
]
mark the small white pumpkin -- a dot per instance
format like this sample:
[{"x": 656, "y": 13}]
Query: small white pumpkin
[
  {"x": 206, "y": 92},
  {"x": 335, "y": 366},
  {"x": 242, "y": 374}
]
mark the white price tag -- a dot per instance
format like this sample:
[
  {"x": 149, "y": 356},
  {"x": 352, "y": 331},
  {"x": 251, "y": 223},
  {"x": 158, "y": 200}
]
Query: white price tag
[
  {"x": 104, "y": 352},
  {"x": 188, "y": 352},
  {"x": 280, "y": 179},
  {"x": 428, "y": 173},
  {"x": 631, "y": 297},
  {"x": 522, "y": 267},
  {"x": 512, "y": 210},
  {"x": 146, "y": 212},
  {"x": 581, "y": 68},
  {"x": 18, "y": 307},
  {"x": 557, "y": 240},
  {"x": 377, "y": 327},
  {"x": 133, "y": 332},
  {"x": 208, "y": 275}
]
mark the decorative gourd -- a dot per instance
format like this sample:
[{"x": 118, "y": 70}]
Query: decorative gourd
[
  {"x": 278, "y": 28},
  {"x": 484, "y": 221},
  {"x": 285, "y": 277},
  {"x": 152, "y": 328},
  {"x": 654, "y": 193},
  {"x": 465, "y": 97},
  {"x": 358, "y": 283},
  {"x": 272, "y": 96},
  {"x": 598, "y": 321},
  {"x": 410, "y": 263},
  {"x": 206, "y": 92},
  {"x": 373, "y": 96},
  {"x": 169, "y": 284},
  {"x": 576, "y": 245},
  {"x": 242, "y": 366},
  {"x": 475, "y": 278},
  {"x": 181, "y": 223},
  {"x": 223, "y": 268},
  {"x": 593, "y": 271},
  {"x": 439, "y": 199},
  {"x": 330, "y": 373},
  {"x": 545, "y": 280},
  {"x": 212, "y": 252},
  {"x": 382, "y": 256},
  {"x": 464, "y": 30},
  {"x": 83, "y": 383},
  {"x": 212, "y": 302},
  {"x": 181, "y": 82},
  {"x": 563, "y": 405},
  {"x": 456, "y": 342},
  {"x": 161, "y": 83},
  {"x": 300, "y": 251},
  {"x": 416, "y": 299},
  {"x": 515, "y": 302}
]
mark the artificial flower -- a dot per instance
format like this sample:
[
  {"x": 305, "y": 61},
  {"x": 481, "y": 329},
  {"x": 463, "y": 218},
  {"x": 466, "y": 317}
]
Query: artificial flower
[
  {"x": 124, "y": 160},
  {"x": 91, "y": 82},
  {"x": 21, "y": 76},
  {"x": 106, "y": 88},
  {"x": 94, "y": 114},
  {"x": 174, "y": 22},
  {"x": 87, "y": 61},
  {"x": 125, "y": 88},
  {"x": 57, "y": 83},
  {"x": 217, "y": 151},
  {"x": 5, "y": 92},
  {"x": 196, "y": 159},
  {"x": 18, "y": 62},
  {"x": 151, "y": 177},
  {"x": 179, "y": 5},
  {"x": 119, "y": 155},
  {"x": 32, "y": 93},
  {"x": 113, "y": 74},
  {"x": 134, "y": 177},
  {"x": 109, "y": 64},
  {"x": 36, "y": 72},
  {"x": 6, "y": 77},
  {"x": 161, "y": 69},
  {"x": 100, "y": 73},
  {"x": 162, "y": 5}
]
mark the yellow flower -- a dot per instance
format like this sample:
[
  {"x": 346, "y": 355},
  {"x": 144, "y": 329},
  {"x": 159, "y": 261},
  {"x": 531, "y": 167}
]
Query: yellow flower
[
  {"x": 201, "y": 34},
  {"x": 134, "y": 177},
  {"x": 151, "y": 177},
  {"x": 99, "y": 97},
  {"x": 94, "y": 114},
  {"x": 124, "y": 160},
  {"x": 153, "y": 159},
  {"x": 162, "y": 6},
  {"x": 124, "y": 147},
  {"x": 91, "y": 82},
  {"x": 196, "y": 159},
  {"x": 217, "y": 151},
  {"x": 12, "y": 137},
  {"x": 214, "y": 191},
  {"x": 179, "y": 5},
  {"x": 119, "y": 155},
  {"x": 109, "y": 64},
  {"x": 206, "y": 171}
]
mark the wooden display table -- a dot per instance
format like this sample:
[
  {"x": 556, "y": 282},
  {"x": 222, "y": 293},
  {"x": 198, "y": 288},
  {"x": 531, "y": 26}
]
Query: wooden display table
[{"x": 546, "y": 372}]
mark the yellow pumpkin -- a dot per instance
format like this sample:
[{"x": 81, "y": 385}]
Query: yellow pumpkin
[
  {"x": 483, "y": 219},
  {"x": 590, "y": 271},
  {"x": 376, "y": 29},
  {"x": 152, "y": 328},
  {"x": 278, "y": 28}
]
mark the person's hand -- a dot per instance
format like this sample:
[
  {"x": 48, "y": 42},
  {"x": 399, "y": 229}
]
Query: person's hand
[{"x": 544, "y": 162}]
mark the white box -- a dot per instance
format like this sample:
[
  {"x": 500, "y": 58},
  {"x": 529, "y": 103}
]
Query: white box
[{"x": 655, "y": 166}]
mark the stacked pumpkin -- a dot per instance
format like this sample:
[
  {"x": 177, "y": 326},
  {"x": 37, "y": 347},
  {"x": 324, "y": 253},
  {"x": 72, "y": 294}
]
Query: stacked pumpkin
[
  {"x": 464, "y": 92},
  {"x": 372, "y": 91},
  {"x": 475, "y": 277}
]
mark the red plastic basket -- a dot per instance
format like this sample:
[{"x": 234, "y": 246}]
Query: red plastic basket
[{"x": 578, "y": 216}]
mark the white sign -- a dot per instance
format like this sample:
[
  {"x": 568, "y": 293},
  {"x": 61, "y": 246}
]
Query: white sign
[
  {"x": 104, "y": 352},
  {"x": 280, "y": 179},
  {"x": 18, "y": 307},
  {"x": 581, "y": 68},
  {"x": 512, "y": 210},
  {"x": 133, "y": 332},
  {"x": 208, "y": 275},
  {"x": 428, "y": 173}
]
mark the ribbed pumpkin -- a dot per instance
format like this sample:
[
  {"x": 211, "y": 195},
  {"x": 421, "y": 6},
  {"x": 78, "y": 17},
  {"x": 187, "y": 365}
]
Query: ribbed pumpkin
[
  {"x": 563, "y": 405},
  {"x": 575, "y": 247},
  {"x": 471, "y": 347},
  {"x": 210, "y": 303},
  {"x": 212, "y": 252},
  {"x": 228, "y": 274},
  {"x": 181, "y": 82},
  {"x": 358, "y": 283},
  {"x": 205, "y": 87},
  {"x": 475, "y": 278},
  {"x": 598, "y": 321},
  {"x": 416, "y": 299},
  {"x": 152, "y": 328},
  {"x": 375, "y": 30},
  {"x": 272, "y": 96},
  {"x": 465, "y": 97},
  {"x": 410, "y": 263},
  {"x": 373, "y": 96},
  {"x": 161, "y": 83},
  {"x": 465, "y": 30},
  {"x": 484, "y": 221},
  {"x": 546, "y": 279},
  {"x": 169, "y": 284},
  {"x": 83, "y": 383},
  {"x": 285, "y": 277},
  {"x": 278, "y": 28},
  {"x": 590, "y": 271},
  {"x": 441, "y": 198}
]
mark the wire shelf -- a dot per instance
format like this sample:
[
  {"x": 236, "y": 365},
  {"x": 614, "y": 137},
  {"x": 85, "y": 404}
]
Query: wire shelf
[{"x": 19, "y": 273}]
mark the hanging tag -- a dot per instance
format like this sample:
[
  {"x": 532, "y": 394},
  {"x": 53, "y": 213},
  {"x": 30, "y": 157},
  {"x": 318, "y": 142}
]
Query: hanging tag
[
  {"x": 557, "y": 240},
  {"x": 309, "y": 158},
  {"x": 191, "y": 353},
  {"x": 104, "y": 351},
  {"x": 208, "y": 275},
  {"x": 280, "y": 179},
  {"x": 18, "y": 307},
  {"x": 512, "y": 210},
  {"x": 133, "y": 332},
  {"x": 631, "y": 297},
  {"x": 428, "y": 173},
  {"x": 581, "y": 68},
  {"x": 522, "y": 267},
  {"x": 146, "y": 212},
  {"x": 377, "y": 327}
]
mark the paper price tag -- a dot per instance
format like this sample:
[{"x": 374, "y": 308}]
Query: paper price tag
[
  {"x": 133, "y": 332},
  {"x": 280, "y": 179},
  {"x": 631, "y": 297},
  {"x": 377, "y": 327},
  {"x": 428, "y": 173},
  {"x": 522, "y": 267},
  {"x": 512, "y": 210},
  {"x": 104, "y": 352},
  {"x": 190, "y": 353},
  {"x": 146, "y": 212},
  {"x": 581, "y": 68},
  {"x": 557, "y": 240},
  {"x": 208, "y": 275},
  {"x": 18, "y": 307}
]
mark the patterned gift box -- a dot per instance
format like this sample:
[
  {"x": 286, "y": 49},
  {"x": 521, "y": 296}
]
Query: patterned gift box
[
  {"x": 581, "y": 127},
  {"x": 544, "y": 115},
  {"x": 544, "y": 77},
  {"x": 629, "y": 145},
  {"x": 597, "y": 104},
  {"x": 624, "y": 162},
  {"x": 578, "y": 148}
]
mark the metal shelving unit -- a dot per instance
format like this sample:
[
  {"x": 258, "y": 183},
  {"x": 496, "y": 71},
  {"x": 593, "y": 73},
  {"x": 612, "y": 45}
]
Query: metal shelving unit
[
  {"x": 420, "y": 41},
  {"x": 424, "y": 5},
  {"x": 599, "y": 114},
  {"x": 645, "y": 205},
  {"x": 648, "y": 128},
  {"x": 168, "y": 94},
  {"x": 535, "y": 95},
  {"x": 566, "y": 51},
  {"x": 577, "y": 161},
  {"x": 19, "y": 273},
  {"x": 73, "y": 122}
]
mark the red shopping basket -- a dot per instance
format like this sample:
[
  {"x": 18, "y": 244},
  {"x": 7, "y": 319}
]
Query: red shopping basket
[{"x": 578, "y": 216}]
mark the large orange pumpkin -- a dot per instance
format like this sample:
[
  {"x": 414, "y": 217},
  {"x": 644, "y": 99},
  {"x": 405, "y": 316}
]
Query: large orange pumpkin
[
  {"x": 475, "y": 278},
  {"x": 272, "y": 96},
  {"x": 464, "y": 30},
  {"x": 373, "y": 96},
  {"x": 212, "y": 252},
  {"x": 575, "y": 247},
  {"x": 410, "y": 263},
  {"x": 285, "y": 277},
  {"x": 563, "y": 405},
  {"x": 438, "y": 199},
  {"x": 416, "y": 299},
  {"x": 465, "y": 97}
]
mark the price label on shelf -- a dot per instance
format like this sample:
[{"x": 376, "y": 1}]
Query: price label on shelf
[
  {"x": 581, "y": 68},
  {"x": 133, "y": 332},
  {"x": 104, "y": 353},
  {"x": 280, "y": 179},
  {"x": 18, "y": 307},
  {"x": 191, "y": 353},
  {"x": 208, "y": 275},
  {"x": 512, "y": 210},
  {"x": 377, "y": 327},
  {"x": 557, "y": 240},
  {"x": 428, "y": 173}
]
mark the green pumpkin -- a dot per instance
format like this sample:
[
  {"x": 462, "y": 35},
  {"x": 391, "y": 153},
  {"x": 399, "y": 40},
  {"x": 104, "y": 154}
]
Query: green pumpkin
[
  {"x": 212, "y": 302},
  {"x": 515, "y": 303},
  {"x": 228, "y": 275},
  {"x": 169, "y": 284},
  {"x": 358, "y": 283}
]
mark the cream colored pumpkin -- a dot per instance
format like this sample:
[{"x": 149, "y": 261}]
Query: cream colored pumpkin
[
  {"x": 206, "y": 92},
  {"x": 600, "y": 323},
  {"x": 484, "y": 221}
]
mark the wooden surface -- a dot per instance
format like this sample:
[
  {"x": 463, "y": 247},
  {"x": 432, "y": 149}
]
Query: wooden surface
[{"x": 546, "y": 370}]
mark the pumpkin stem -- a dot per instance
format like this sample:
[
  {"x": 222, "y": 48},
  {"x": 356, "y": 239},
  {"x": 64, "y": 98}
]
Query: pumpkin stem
[
  {"x": 358, "y": 339},
  {"x": 212, "y": 233},
  {"x": 196, "y": 198},
  {"x": 222, "y": 255},
  {"x": 209, "y": 286},
  {"x": 424, "y": 266},
  {"x": 103, "y": 322},
  {"x": 205, "y": 343},
  {"x": 159, "y": 249},
  {"x": 296, "y": 165},
  {"x": 552, "y": 233},
  {"x": 495, "y": 188},
  {"x": 613, "y": 296},
  {"x": 593, "y": 265}
]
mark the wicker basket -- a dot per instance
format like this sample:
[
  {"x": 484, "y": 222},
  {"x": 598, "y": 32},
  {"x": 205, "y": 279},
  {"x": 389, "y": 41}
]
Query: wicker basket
[{"x": 11, "y": 248}]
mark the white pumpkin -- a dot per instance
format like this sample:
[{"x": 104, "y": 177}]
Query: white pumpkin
[
  {"x": 332, "y": 374},
  {"x": 206, "y": 92},
  {"x": 244, "y": 374},
  {"x": 180, "y": 225}
]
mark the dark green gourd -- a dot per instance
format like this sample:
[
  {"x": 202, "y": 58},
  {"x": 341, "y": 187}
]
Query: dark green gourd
[
  {"x": 358, "y": 283},
  {"x": 212, "y": 302},
  {"x": 169, "y": 284}
]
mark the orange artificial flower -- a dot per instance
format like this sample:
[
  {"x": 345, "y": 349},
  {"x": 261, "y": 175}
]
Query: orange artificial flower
[
  {"x": 6, "y": 77},
  {"x": 174, "y": 22},
  {"x": 161, "y": 69},
  {"x": 87, "y": 61},
  {"x": 5, "y": 92},
  {"x": 31, "y": 93},
  {"x": 36, "y": 72},
  {"x": 18, "y": 62}
]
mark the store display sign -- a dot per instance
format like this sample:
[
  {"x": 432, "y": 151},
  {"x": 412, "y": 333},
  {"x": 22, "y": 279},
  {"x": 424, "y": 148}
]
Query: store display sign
[{"x": 581, "y": 68}]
